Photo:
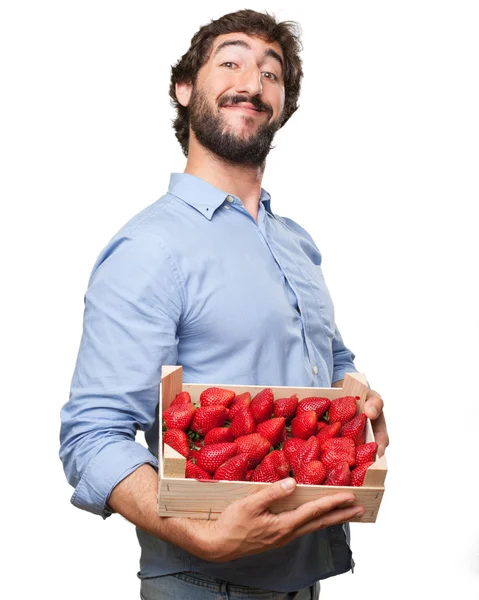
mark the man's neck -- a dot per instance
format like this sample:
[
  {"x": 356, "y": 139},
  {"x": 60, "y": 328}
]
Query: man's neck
[{"x": 243, "y": 182}]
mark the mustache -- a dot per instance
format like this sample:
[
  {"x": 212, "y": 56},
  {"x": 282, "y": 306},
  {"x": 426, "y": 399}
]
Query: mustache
[{"x": 254, "y": 101}]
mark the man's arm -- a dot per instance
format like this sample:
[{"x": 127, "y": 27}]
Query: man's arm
[{"x": 132, "y": 307}]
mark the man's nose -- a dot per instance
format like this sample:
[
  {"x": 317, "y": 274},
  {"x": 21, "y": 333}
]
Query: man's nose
[{"x": 250, "y": 82}]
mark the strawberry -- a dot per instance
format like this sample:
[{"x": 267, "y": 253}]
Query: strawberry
[
  {"x": 304, "y": 425},
  {"x": 239, "y": 403},
  {"x": 249, "y": 473},
  {"x": 214, "y": 395},
  {"x": 339, "y": 474},
  {"x": 359, "y": 473},
  {"x": 328, "y": 432},
  {"x": 266, "y": 472},
  {"x": 316, "y": 403},
  {"x": 355, "y": 429},
  {"x": 217, "y": 435},
  {"x": 312, "y": 473},
  {"x": 366, "y": 453},
  {"x": 178, "y": 440},
  {"x": 181, "y": 398},
  {"x": 195, "y": 472},
  {"x": 337, "y": 450},
  {"x": 214, "y": 455},
  {"x": 305, "y": 454},
  {"x": 280, "y": 462},
  {"x": 272, "y": 430},
  {"x": 321, "y": 425},
  {"x": 179, "y": 416},
  {"x": 242, "y": 423},
  {"x": 262, "y": 405},
  {"x": 291, "y": 447},
  {"x": 234, "y": 469},
  {"x": 286, "y": 407},
  {"x": 194, "y": 454},
  {"x": 207, "y": 417},
  {"x": 343, "y": 409},
  {"x": 255, "y": 446}
]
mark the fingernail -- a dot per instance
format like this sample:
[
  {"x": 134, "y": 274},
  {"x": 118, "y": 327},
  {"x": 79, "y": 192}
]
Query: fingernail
[
  {"x": 373, "y": 413},
  {"x": 358, "y": 513},
  {"x": 288, "y": 484}
]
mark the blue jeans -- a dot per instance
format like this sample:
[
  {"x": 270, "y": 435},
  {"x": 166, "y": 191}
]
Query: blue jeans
[{"x": 196, "y": 586}]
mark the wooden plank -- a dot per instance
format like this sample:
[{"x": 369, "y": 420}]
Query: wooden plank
[
  {"x": 189, "y": 497},
  {"x": 355, "y": 384},
  {"x": 174, "y": 463}
]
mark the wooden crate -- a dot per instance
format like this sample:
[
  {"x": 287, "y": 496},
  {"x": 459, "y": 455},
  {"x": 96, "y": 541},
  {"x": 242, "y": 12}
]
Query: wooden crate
[{"x": 181, "y": 497}]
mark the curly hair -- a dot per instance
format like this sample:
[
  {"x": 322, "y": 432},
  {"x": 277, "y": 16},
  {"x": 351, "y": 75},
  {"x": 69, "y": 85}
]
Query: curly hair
[{"x": 257, "y": 24}]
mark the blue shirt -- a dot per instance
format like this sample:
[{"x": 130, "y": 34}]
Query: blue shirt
[{"x": 194, "y": 280}]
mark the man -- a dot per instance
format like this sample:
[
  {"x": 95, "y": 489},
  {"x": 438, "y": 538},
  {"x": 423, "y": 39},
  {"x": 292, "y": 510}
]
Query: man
[{"x": 210, "y": 278}]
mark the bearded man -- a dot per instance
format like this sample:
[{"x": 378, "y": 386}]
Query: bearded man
[{"x": 210, "y": 278}]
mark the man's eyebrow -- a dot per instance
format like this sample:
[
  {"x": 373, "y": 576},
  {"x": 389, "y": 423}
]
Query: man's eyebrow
[{"x": 269, "y": 52}]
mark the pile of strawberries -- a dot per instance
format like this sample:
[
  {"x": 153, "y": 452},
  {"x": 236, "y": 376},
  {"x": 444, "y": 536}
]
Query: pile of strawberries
[{"x": 236, "y": 438}]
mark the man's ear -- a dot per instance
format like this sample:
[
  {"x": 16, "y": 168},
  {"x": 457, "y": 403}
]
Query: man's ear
[{"x": 183, "y": 92}]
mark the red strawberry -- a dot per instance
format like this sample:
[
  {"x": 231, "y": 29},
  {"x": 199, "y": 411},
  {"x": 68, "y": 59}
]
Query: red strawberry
[
  {"x": 343, "y": 409},
  {"x": 181, "y": 398},
  {"x": 286, "y": 407},
  {"x": 179, "y": 416},
  {"x": 291, "y": 447},
  {"x": 214, "y": 455},
  {"x": 272, "y": 430},
  {"x": 266, "y": 472},
  {"x": 217, "y": 435},
  {"x": 316, "y": 403},
  {"x": 214, "y": 395},
  {"x": 312, "y": 473},
  {"x": 359, "y": 473},
  {"x": 239, "y": 403},
  {"x": 321, "y": 425},
  {"x": 194, "y": 454},
  {"x": 178, "y": 440},
  {"x": 366, "y": 453},
  {"x": 280, "y": 462},
  {"x": 207, "y": 417},
  {"x": 255, "y": 446},
  {"x": 234, "y": 469},
  {"x": 262, "y": 405},
  {"x": 355, "y": 429},
  {"x": 305, "y": 454},
  {"x": 337, "y": 450},
  {"x": 195, "y": 472},
  {"x": 339, "y": 474},
  {"x": 328, "y": 432},
  {"x": 242, "y": 423},
  {"x": 249, "y": 473},
  {"x": 304, "y": 425}
]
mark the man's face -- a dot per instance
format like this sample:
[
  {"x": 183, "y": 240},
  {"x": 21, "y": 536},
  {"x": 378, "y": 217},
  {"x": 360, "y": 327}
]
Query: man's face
[{"x": 234, "y": 82}]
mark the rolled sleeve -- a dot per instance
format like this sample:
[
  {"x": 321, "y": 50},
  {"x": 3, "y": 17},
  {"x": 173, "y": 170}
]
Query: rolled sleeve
[{"x": 132, "y": 309}]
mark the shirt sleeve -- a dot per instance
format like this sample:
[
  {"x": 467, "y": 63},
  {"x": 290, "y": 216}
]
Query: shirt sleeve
[
  {"x": 343, "y": 358},
  {"x": 132, "y": 310}
]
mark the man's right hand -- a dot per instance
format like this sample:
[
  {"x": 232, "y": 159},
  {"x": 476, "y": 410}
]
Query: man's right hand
[{"x": 248, "y": 527}]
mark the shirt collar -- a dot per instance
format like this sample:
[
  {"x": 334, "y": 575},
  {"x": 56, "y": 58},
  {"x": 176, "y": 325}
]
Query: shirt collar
[{"x": 203, "y": 196}]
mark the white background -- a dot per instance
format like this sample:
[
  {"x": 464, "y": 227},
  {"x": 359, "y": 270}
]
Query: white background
[{"x": 380, "y": 163}]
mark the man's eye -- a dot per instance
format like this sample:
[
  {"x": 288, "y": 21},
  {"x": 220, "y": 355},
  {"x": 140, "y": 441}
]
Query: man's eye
[
  {"x": 274, "y": 77},
  {"x": 229, "y": 63}
]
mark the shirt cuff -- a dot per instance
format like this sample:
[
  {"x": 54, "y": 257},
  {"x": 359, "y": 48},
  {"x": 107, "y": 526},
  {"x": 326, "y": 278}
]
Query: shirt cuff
[{"x": 111, "y": 464}]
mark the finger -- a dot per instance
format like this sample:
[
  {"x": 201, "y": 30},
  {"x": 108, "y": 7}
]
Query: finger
[
  {"x": 258, "y": 502},
  {"x": 335, "y": 517},
  {"x": 373, "y": 406},
  {"x": 380, "y": 433},
  {"x": 315, "y": 508}
]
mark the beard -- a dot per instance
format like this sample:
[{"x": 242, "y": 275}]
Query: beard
[{"x": 213, "y": 131}]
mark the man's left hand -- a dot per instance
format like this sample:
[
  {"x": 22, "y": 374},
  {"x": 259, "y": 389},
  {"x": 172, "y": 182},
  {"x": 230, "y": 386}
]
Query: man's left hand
[{"x": 373, "y": 408}]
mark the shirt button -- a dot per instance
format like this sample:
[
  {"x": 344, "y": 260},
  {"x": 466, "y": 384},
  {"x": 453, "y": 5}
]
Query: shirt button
[
  {"x": 230, "y": 198},
  {"x": 315, "y": 369}
]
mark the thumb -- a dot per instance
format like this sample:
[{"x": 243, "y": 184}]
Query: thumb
[{"x": 259, "y": 501}]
